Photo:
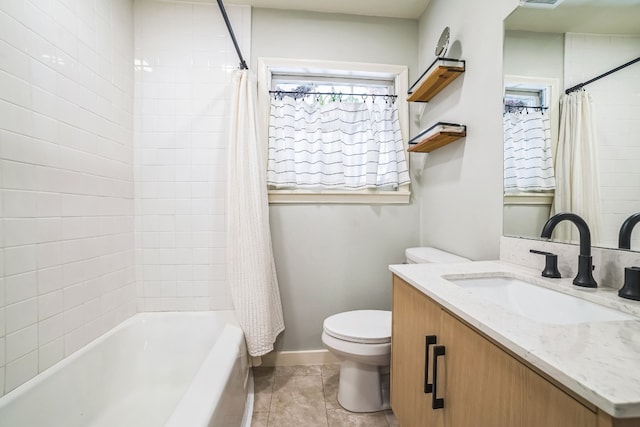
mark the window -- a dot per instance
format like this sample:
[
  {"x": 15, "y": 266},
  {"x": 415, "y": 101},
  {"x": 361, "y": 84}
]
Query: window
[
  {"x": 525, "y": 97},
  {"x": 335, "y": 131},
  {"x": 528, "y": 139}
]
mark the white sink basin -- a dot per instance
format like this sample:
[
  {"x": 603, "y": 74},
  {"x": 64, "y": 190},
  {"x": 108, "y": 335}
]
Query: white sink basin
[{"x": 537, "y": 303}]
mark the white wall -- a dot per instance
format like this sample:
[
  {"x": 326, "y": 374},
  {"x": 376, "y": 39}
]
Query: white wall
[
  {"x": 532, "y": 54},
  {"x": 185, "y": 59},
  {"x": 461, "y": 187},
  {"x": 616, "y": 101},
  {"x": 333, "y": 258},
  {"x": 66, "y": 150}
]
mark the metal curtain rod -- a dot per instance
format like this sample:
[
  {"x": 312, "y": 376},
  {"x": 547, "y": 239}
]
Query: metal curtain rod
[
  {"x": 243, "y": 64},
  {"x": 300, "y": 93},
  {"x": 579, "y": 86},
  {"x": 520, "y": 108}
]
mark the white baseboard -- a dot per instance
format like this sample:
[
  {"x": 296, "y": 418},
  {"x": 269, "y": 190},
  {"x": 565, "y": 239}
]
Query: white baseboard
[{"x": 292, "y": 358}]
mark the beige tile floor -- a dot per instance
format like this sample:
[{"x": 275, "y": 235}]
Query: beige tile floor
[{"x": 295, "y": 396}]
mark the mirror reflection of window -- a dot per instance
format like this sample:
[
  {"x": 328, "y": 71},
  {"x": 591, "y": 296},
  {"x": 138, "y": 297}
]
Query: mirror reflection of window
[
  {"x": 572, "y": 44},
  {"x": 528, "y": 160}
]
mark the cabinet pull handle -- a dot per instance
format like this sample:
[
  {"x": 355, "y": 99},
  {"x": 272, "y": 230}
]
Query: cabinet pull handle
[
  {"x": 436, "y": 403},
  {"x": 429, "y": 340}
]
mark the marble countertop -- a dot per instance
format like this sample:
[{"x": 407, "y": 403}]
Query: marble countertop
[{"x": 598, "y": 361}]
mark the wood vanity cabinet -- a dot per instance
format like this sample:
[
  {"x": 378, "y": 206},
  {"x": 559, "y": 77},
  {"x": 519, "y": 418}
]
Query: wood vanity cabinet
[
  {"x": 414, "y": 318},
  {"x": 481, "y": 384}
]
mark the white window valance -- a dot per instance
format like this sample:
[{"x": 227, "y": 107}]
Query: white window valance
[
  {"x": 335, "y": 145},
  {"x": 528, "y": 161}
]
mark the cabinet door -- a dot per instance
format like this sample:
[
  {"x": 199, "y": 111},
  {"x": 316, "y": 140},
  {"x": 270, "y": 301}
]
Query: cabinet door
[
  {"x": 486, "y": 387},
  {"x": 414, "y": 317}
]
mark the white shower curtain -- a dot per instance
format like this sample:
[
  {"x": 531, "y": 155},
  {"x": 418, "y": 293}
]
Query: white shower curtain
[
  {"x": 251, "y": 268},
  {"x": 576, "y": 166}
]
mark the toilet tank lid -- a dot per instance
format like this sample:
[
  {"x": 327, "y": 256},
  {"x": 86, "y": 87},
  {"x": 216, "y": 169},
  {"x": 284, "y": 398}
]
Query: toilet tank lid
[{"x": 425, "y": 255}]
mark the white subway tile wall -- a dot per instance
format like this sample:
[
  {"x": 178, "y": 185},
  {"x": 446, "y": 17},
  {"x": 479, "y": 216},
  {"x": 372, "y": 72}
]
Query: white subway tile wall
[
  {"x": 66, "y": 177},
  {"x": 617, "y": 108},
  {"x": 184, "y": 59}
]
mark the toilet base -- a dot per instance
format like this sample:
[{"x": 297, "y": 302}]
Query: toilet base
[{"x": 362, "y": 388}]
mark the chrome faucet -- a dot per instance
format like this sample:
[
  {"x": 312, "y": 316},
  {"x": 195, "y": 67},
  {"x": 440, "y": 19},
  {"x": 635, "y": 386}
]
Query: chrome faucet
[
  {"x": 585, "y": 263},
  {"x": 624, "y": 237}
]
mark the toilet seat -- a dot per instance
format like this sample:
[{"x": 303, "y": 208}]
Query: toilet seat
[{"x": 360, "y": 326}]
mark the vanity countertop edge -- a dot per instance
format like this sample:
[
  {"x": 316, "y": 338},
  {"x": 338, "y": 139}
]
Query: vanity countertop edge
[{"x": 598, "y": 361}]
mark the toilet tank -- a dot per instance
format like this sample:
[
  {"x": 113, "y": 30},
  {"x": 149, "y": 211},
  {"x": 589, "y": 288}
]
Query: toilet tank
[{"x": 428, "y": 255}]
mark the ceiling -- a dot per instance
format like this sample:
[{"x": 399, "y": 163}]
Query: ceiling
[
  {"x": 411, "y": 9},
  {"x": 590, "y": 16},
  {"x": 580, "y": 16}
]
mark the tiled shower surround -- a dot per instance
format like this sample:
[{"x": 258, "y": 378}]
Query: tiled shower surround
[
  {"x": 184, "y": 62},
  {"x": 66, "y": 148},
  {"x": 98, "y": 196}
]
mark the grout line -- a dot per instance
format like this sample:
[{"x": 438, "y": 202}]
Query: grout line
[
  {"x": 324, "y": 394},
  {"x": 273, "y": 389}
]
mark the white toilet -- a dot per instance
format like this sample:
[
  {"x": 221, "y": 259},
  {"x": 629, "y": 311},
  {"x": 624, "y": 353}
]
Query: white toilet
[{"x": 361, "y": 340}]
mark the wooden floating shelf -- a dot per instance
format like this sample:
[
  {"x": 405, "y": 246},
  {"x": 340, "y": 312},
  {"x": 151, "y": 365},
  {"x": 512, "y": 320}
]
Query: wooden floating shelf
[
  {"x": 428, "y": 143},
  {"x": 438, "y": 76}
]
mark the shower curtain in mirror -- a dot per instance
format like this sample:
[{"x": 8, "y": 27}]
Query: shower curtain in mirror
[
  {"x": 577, "y": 175},
  {"x": 251, "y": 268}
]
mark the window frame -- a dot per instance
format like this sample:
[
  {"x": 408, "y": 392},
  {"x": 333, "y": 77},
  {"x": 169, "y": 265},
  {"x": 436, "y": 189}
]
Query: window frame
[{"x": 399, "y": 73}]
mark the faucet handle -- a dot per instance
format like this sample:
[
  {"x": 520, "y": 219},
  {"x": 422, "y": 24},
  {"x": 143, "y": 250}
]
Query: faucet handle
[{"x": 551, "y": 264}]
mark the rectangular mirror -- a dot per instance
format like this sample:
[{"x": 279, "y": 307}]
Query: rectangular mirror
[{"x": 547, "y": 50}]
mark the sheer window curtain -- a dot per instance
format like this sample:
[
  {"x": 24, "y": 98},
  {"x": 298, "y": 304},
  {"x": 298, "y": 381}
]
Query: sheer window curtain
[
  {"x": 528, "y": 161},
  {"x": 251, "y": 268},
  {"x": 577, "y": 174},
  {"x": 345, "y": 145}
]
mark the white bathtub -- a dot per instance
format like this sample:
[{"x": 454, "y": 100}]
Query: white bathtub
[{"x": 155, "y": 369}]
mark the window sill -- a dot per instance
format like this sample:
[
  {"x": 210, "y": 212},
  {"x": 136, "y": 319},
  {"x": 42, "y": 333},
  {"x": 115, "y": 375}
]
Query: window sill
[
  {"x": 528, "y": 198},
  {"x": 368, "y": 197}
]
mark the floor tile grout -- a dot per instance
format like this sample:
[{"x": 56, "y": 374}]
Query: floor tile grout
[{"x": 295, "y": 398}]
